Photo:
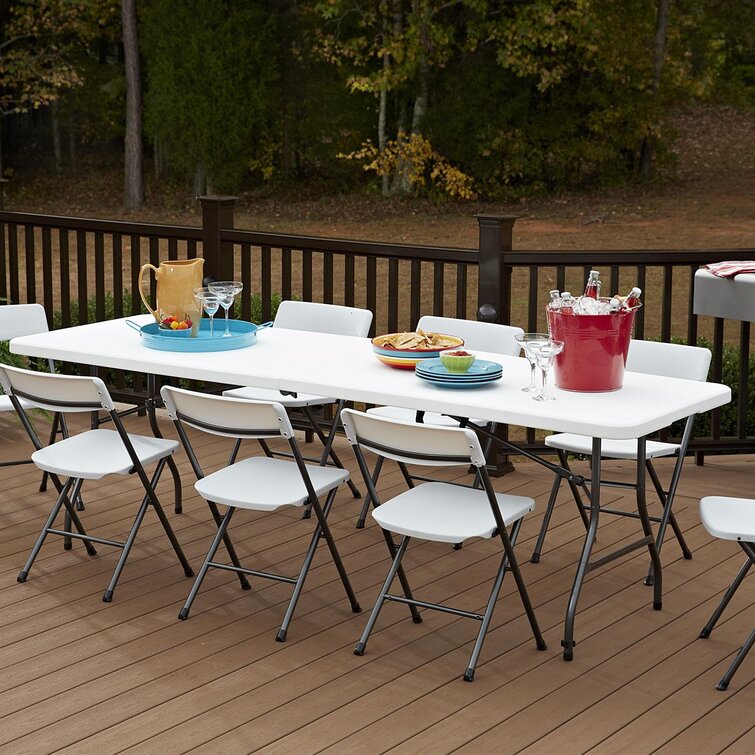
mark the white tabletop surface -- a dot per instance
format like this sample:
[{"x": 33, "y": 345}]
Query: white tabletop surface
[
  {"x": 344, "y": 367},
  {"x": 731, "y": 298}
]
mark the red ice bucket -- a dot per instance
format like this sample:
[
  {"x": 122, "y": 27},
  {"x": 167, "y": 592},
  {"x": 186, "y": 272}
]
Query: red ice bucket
[{"x": 595, "y": 349}]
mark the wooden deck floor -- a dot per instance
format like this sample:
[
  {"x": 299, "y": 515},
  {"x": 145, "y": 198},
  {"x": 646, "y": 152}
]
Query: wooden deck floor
[{"x": 79, "y": 675}]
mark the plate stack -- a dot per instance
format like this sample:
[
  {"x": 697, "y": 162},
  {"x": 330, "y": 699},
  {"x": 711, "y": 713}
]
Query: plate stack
[{"x": 480, "y": 373}]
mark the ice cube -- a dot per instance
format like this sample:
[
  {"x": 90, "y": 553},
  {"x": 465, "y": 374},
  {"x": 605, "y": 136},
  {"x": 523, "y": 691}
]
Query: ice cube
[{"x": 587, "y": 306}]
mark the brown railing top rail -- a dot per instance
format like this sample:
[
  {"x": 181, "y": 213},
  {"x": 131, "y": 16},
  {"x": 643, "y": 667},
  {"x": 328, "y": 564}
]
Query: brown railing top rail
[
  {"x": 350, "y": 246},
  {"x": 124, "y": 227},
  {"x": 625, "y": 256}
]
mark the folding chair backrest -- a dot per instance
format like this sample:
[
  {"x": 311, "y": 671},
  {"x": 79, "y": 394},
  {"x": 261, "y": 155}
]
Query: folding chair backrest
[
  {"x": 227, "y": 417},
  {"x": 478, "y": 336},
  {"x": 56, "y": 393},
  {"x": 669, "y": 360},
  {"x": 22, "y": 320},
  {"x": 412, "y": 443},
  {"x": 323, "y": 318}
]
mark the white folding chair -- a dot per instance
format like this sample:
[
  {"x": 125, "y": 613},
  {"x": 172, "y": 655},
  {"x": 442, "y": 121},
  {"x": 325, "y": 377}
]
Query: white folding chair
[
  {"x": 26, "y": 320},
  {"x": 439, "y": 511},
  {"x": 731, "y": 519},
  {"x": 90, "y": 455},
  {"x": 258, "y": 483},
  {"x": 650, "y": 358},
  {"x": 314, "y": 318},
  {"x": 478, "y": 336}
]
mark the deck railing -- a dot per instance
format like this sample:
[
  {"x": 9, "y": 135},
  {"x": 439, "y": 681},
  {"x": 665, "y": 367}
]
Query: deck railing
[{"x": 85, "y": 269}]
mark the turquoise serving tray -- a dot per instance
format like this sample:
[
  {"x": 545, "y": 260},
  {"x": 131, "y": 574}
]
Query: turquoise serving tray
[{"x": 243, "y": 334}]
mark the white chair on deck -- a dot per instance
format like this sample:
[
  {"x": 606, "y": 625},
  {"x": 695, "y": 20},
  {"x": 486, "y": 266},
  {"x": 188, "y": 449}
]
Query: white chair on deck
[
  {"x": 650, "y": 358},
  {"x": 90, "y": 455},
  {"x": 438, "y": 511},
  {"x": 731, "y": 519},
  {"x": 314, "y": 318},
  {"x": 257, "y": 483},
  {"x": 478, "y": 336}
]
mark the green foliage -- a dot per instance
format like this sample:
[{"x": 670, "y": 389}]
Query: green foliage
[{"x": 211, "y": 98}]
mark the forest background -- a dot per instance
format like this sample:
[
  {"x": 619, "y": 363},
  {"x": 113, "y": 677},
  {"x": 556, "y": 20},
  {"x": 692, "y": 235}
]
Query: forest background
[{"x": 439, "y": 105}]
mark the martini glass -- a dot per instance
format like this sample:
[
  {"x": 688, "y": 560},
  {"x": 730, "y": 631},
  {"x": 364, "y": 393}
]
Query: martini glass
[
  {"x": 545, "y": 355},
  {"x": 208, "y": 301},
  {"x": 528, "y": 341},
  {"x": 226, "y": 292}
]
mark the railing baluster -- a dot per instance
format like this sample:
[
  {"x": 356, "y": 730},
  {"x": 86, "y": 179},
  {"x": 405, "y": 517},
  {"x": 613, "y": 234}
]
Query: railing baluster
[
  {"x": 136, "y": 263},
  {"x": 372, "y": 291},
  {"x": 615, "y": 282},
  {"x": 560, "y": 277},
  {"x": 393, "y": 294},
  {"x": 47, "y": 273},
  {"x": 306, "y": 270},
  {"x": 639, "y": 318},
  {"x": 286, "y": 274},
  {"x": 118, "y": 275},
  {"x": 246, "y": 279},
  {"x": 266, "y": 275},
  {"x": 15, "y": 297},
  {"x": 691, "y": 316},
  {"x": 461, "y": 291},
  {"x": 191, "y": 249},
  {"x": 666, "y": 303},
  {"x": 718, "y": 359},
  {"x": 99, "y": 275},
  {"x": 415, "y": 285},
  {"x": 439, "y": 288},
  {"x": 532, "y": 309},
  {"x": 744, "y": 380},
  {"x": 30, "y": 265},
  {"x": 3, "y": 266},
  {"x": 65, "y": 278},
  {"x": 172, "y": 249},
  {"x": 327, "y": 278},
  {"x": 348, "y": 280},
  {"x": 81, "y": 270}
]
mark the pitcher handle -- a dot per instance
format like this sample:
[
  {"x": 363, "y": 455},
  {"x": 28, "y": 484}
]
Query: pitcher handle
[{"x": 141, "y": 290}]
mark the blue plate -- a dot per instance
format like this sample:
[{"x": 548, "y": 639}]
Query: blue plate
[
  {"x": 243, "y": 334},
  {"x": 479, "y": 369},
  {"x": 456, "y": 384}
]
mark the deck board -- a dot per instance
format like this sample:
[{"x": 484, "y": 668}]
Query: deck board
[{"x": 84, "y": 676}]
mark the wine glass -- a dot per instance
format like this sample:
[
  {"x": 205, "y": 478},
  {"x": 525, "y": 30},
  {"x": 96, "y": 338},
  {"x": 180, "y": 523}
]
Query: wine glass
[
  {"x": 545, "y": 355},
  {"x": 226, "y": 292},
  {"x": 210, "y": 302},
  {"x": 527, "y": 341}
]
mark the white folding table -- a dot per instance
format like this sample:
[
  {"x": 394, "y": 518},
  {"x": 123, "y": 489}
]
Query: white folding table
[{"x": 345, "y": 367}]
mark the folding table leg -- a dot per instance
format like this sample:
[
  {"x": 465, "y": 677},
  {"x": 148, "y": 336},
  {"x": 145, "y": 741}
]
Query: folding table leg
[
  {"x": 571, "y": 610},
  {"x": 362, "y": 644},
  {"x": 535, "y": 558},
  {"x": 708, "y": 628},
  {"x": 647, "y": 528},
  {"x": 152, "y": 416}
]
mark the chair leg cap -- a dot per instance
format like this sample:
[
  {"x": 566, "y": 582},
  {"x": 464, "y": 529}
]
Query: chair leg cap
[
  {"x": 245, "y": 585},
  {"x": 687, "y": 556},
  {"x": 722, "y": 686},
  {"x": 649, "y": 580},
  {"x": 541, "y": 645},
  {"x": 359, "y": 649},
  {"x": 457, "y": 546},
  {"x": 535, "y": 559},
  {"x": 704, "y": 633},
  {"x": 469, "y": 675},
  {"x": 307, "y": 514},
  {"x": 356, "y": 608},
  {"x": 360, "y": 524},
  {"x": 22, "y": 576},
  {"x": 189, "y": 572},
  {"x": 178, "y": 509},
  {"x": 183, "y": 614},
  {"x": 67, "y": 546},
  {"x": 657, "y": 605},
  {"x": 108, "y": 596},
  {"x": 281, "y": 636},
  {"x": 417, "y": 619}
]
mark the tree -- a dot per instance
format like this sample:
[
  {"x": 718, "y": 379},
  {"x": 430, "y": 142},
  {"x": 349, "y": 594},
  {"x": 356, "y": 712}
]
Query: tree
[{"x": 133, "y": 182}]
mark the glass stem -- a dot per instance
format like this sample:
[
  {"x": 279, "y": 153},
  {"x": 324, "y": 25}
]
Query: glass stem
[
  {"x": 533, "y": 387},
  {"x": 212, "y": 322},
  {"x": 544, "y": 390},
  {"x": 227, "y": 327}
]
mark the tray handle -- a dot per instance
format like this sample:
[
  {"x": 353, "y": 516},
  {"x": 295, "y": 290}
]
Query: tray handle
[{"x": 134, "y": 326}]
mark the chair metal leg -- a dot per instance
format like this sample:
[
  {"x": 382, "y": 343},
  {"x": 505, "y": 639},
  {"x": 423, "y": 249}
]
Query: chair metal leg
[
  {"x": 67, "y": 542},
  {"x": 188, "y": 571},
  {"x": 108, "y": 594},
  {"x": 184, "y": 612},
  {"x": 72, "y": 516},
  {"x": 299, "y": 585},
  {"x": 727, "y": 677},
  {"x": 708, "y": 628},
  {"x": 362, "y": 644},
  {"x": 535, "y": 558},
  {"x": 368, "y": 498},
  {"x": 667, "y": 500},
  {"x": 69, "y": 483},
  {"x": 51, "y": 440},
  {"x": 229, "y": 546}
]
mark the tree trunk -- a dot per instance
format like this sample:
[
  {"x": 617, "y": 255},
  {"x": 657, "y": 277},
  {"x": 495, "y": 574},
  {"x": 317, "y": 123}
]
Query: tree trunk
[
  {"x": 72, "y": 159},
  {"x": 200, "y": 180},
  {"x": 382, "y": 112},
  {"x": 56, "y": 145},
  {"x": 2, "y": 118},
  {"x": 133, "y": 182},
  {"x": 659, "y": 53}
]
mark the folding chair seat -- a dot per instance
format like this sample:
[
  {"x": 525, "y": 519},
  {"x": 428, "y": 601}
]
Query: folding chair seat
[
  {"x": 314, "y": 318},
  {"x": 478, "y": 336},
  {"x": 731, "y": 519},
  {"x": 650, "y": 358},
  {"x": 438, "y": 511},
  {"x": 90, "y": 455},
  {"x": 257, "y": 484}
]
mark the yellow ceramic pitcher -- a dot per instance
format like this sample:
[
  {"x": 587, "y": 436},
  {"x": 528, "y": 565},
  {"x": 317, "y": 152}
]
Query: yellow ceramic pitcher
[{"x": 176, "y": 281}]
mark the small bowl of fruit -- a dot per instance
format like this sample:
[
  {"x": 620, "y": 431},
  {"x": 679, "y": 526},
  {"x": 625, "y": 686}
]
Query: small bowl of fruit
[
  {"x": 170, "y": 325},
  {"x": 457, "y": 360}
]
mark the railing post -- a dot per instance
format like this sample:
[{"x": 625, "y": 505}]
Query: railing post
[
  {"x": 494, "y": 300},
  {"x": 3, "y": 181},
  {"x": 496, "y": 236},
  {"x": 217, "y": 214}
]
